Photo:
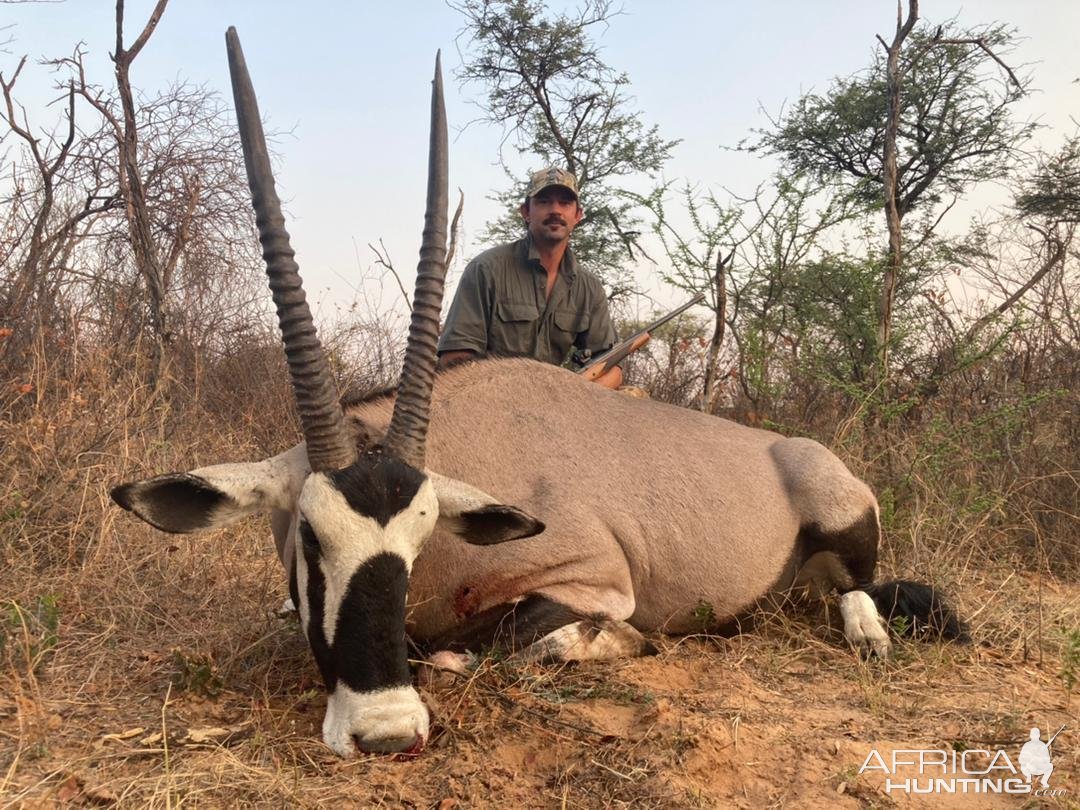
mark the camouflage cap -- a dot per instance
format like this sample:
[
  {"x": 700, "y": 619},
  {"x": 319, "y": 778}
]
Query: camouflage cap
[{"x": 552, "y": 176}]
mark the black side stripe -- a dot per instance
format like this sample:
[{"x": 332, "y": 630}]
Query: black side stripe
[{"x": 316, "y": 599}]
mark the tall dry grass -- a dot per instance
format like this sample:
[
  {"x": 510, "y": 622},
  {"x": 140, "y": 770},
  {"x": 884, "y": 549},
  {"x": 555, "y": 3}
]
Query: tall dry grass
[{"x": 111, "y": 627}]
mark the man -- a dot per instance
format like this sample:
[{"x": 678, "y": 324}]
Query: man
[
  {"x": 530, "y": 297},
  {"x": 1035, "y": 757}
]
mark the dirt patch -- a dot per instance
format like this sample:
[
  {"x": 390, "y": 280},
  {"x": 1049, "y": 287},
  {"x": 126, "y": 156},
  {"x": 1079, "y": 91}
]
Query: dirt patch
[{"x": 783, "y": 716}]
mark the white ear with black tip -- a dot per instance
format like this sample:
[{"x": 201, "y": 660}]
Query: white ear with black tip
[
  {"x": 217, "y": 496},
  {"x": 476, "y": 516}
]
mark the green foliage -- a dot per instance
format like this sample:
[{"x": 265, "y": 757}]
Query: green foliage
[
  {"x": 28, "y": 633},
  {"x": 195, "y": 673},
  {"x": 955, "y": 124},
  {"x": 704, "y": 615},
  {"x": 831, "y": 307},
  {"x": 14, "y": 507},
  {"x": 900, "y": 625},
  {"x": 1053, "y": 189},
  {"x": 976, "y": 441},
  {"x": 560, "y": 104},
  {"x": 887, "y": 506}
]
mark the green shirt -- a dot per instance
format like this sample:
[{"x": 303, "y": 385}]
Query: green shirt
[{"x": 500, "y": 307}]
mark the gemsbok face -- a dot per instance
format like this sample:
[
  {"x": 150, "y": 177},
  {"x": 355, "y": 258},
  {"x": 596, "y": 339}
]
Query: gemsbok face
[
  {"x": 363, "y": 509},
  {"x": 360, "y": 529}
]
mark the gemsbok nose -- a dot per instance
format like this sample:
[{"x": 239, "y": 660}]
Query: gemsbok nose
[
  {"x": 382, "y": 721},
  {"x": 390, "y": 745}
]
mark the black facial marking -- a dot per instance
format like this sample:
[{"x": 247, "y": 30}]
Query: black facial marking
[
  {"x": 178, "y": 502},
  {"x": 378, "y": 486},
  {"x": 369, "y": 650},
  {"x": 294, "y": 588},
  {"x": 369, "y": 643}
]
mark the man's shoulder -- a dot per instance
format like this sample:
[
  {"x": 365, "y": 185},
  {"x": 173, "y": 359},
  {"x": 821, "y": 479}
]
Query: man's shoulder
[
  {"x": 591, "y": 282},
  {"x": 502, "y": 255}
]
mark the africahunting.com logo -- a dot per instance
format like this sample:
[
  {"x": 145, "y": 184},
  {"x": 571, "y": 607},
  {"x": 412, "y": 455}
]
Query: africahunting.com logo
[{"x": 975, "y": 770}]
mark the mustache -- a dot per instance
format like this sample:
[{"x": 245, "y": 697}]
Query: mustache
[{"x": 554, "y": 218}]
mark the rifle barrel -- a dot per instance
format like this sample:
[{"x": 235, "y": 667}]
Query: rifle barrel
[{"x": 617, "y": 352}]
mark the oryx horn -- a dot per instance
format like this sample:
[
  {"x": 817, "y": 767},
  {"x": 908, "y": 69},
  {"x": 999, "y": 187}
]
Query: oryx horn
[
  {"x": 328, "y": 446},
  {"x": 409, "y": 424}
]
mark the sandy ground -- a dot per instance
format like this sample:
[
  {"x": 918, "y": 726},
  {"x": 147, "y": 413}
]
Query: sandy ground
[{"x": 783, "y": 716}]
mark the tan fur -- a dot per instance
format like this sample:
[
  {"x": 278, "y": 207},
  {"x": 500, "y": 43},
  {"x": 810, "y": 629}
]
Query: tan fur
[
  {"x": 650, "y": 509},
  {"x": 821, "y": 574}
]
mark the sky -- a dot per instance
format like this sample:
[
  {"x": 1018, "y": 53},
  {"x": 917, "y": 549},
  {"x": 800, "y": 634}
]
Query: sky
[{"x": 349, "y": 83}]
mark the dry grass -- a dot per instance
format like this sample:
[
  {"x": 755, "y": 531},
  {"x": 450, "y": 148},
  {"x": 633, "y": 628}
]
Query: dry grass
[{"x": 123, "y": 645}]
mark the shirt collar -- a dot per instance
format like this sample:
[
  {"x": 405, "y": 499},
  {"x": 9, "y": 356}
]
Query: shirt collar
[{"x": 567, "y": 268}]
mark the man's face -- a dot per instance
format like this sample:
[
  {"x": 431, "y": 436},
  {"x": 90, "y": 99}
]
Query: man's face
[{"x": 552, "y": 214}]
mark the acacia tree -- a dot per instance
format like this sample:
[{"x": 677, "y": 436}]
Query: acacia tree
[
  {"x": 1053, "y": 188},
  {"x": 752, "y": 258},
  {"x": 559, "y": 103},
  {"x": 930, "y": 117}
]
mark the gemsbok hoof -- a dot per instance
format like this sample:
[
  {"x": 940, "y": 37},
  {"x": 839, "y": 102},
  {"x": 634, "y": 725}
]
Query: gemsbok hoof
[{"x": 864, "y": 628}]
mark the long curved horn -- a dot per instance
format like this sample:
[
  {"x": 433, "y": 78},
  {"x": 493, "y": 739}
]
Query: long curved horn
[
  {"x": 328, "y": 447},
  {"x": 409, "y": 424}
]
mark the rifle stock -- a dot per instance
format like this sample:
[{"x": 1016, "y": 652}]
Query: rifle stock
[
  {"x": 599, "y": 366},
  {"x": 614, "y": 357}
]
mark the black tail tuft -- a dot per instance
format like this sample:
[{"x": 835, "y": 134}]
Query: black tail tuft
[{"x": 922, "y": 607}]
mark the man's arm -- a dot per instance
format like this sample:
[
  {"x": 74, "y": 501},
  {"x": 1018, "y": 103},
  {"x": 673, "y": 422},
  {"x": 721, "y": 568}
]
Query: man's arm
[
  {"x": 600, "y": 337},
  {"x": 451, "y": 358}
]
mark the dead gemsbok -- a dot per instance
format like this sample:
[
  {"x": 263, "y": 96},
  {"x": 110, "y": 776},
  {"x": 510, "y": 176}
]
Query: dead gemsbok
[{"x": 607, "y": 515}]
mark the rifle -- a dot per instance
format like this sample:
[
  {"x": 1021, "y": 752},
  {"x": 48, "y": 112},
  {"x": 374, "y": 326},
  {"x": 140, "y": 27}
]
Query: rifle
[
  {"x": 1051, "y": 740},
  {"x": 603, "y": 363}
]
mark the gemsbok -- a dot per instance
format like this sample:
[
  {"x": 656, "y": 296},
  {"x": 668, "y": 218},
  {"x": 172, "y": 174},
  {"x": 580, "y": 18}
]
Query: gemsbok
[{"x": 541, "y": 513}]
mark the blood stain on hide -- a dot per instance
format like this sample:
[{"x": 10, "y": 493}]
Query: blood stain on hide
[{"x": 465, "y": 601}]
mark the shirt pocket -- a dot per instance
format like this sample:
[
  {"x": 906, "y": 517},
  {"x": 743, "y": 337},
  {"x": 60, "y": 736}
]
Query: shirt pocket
[
  {"x": 514, "y": 328},
  {"x": 569, "y": 323}
]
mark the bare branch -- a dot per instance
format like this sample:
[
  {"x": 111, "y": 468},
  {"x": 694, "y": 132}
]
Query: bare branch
[
  {"x": 129, "y": 54},
  {"x": 455, "y": 222},
  {"x": 1057, "y": 253},
  {"x": 383, "y": 257},
  {"x": 987, "y": 50}
]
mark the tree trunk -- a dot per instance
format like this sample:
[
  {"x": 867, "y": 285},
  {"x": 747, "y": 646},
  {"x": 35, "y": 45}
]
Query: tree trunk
[
  {"x": 892, "y": 211},
  {"x": 145, "y": 252},
  {"x": 708, "y": 394}
]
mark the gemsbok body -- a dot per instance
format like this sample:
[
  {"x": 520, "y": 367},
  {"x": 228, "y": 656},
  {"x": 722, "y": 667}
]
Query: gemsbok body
[{"x": 507, "y": 502}]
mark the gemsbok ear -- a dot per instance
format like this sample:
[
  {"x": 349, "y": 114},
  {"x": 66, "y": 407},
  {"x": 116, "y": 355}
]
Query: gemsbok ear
[
  {"x": 477, "y": 517},
  {"x": 218, "y": 496}
]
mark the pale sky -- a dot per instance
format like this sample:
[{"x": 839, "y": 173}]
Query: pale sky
[{"x": 351, "y": 82}]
